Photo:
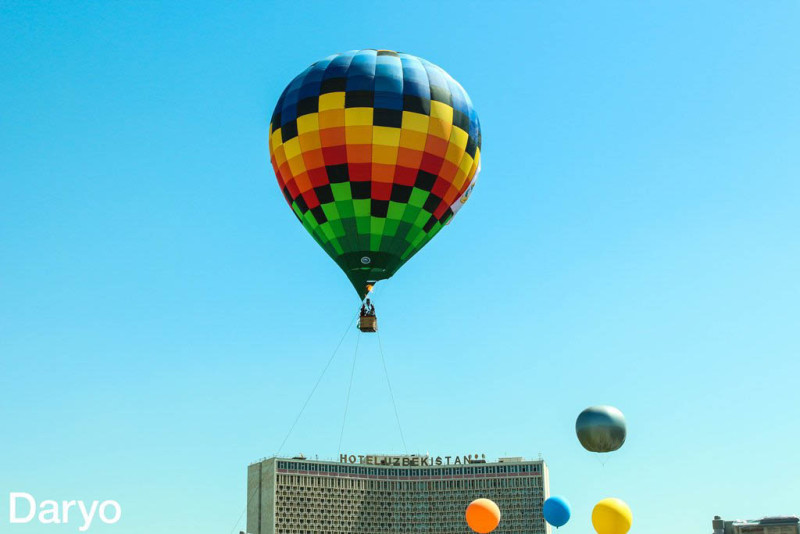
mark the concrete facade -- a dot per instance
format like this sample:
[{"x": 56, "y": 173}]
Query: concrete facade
[
  {"x": 301, "y": 496},
  {"x": 767, "y": 525}
]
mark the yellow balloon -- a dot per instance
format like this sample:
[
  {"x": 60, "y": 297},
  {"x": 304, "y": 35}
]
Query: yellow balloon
[{"x": 612, "y": 516}]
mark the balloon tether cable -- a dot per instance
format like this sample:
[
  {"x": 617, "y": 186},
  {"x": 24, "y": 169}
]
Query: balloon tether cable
[
  {"x": 391, "y": 393},
  {"x": 305, "y": 404},
  {"x": 349, "y": 389}
]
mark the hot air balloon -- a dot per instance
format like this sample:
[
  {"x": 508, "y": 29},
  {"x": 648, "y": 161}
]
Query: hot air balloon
[
  {"x": 601, "y": 429},
  {"x": 557, "y": 511},
  {"x": 483, "y": 516},
  {"x": 612, "y": 516},
  {"x": 375, "y": 151}
]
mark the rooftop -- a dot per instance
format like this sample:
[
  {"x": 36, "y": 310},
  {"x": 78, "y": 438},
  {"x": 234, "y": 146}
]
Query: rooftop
[{"x": 414, "y": 460}]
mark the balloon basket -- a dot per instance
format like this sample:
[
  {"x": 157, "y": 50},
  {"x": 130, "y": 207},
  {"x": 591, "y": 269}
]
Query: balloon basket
[{"x": 368, "y": 324}]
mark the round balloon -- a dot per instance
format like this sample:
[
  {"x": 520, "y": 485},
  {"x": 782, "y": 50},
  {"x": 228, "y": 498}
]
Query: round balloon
[
  {"x": 557, "y": 511},
  {"x": 483, "y": 516},
  {"x": 601, "y": 429},
  {"x": 612, "y": 516},
  {"x": 375, "y": 151}
]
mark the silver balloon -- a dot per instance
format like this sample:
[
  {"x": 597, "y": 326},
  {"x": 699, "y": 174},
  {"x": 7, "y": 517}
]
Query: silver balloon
[{"x": 601, "y": 428}]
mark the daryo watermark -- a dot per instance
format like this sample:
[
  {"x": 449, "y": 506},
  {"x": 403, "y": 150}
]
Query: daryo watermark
[{"x": 23, "y": 509}]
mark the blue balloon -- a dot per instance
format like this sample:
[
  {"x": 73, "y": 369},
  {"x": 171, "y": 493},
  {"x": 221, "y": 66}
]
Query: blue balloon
[{"x": 557, "y": 511}]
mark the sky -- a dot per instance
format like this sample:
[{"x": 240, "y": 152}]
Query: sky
[{"x": 632, "y": 241}]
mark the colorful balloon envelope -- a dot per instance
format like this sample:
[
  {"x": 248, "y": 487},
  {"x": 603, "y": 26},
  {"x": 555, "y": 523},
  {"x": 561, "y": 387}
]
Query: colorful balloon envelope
[
  {"x": 557, "y": 511},
  {"x": 601, "y": 429},
  {"x": 483, "y": 516},
  {"x": 375, "y": 151},
  {"x": 612, "y": 516}
]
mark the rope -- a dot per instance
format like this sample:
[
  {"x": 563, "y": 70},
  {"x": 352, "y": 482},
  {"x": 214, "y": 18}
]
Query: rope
[
  {"x": 241, "y": 516},
  {"x": 349, "y": 388},
  {"x": 324, "y": 370},
  {"x": 391, "y": 393},
  {"x": 347, "y": 402},
  {"x": 344, "y": 419},
  {"x": 327, "y": 365}
]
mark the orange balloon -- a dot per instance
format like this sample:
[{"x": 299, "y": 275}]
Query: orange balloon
[{"x": 483, "y": 516}]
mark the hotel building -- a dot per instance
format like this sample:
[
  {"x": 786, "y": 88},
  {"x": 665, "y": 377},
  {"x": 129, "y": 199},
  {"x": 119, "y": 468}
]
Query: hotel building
[{"x": 392, "y": 494}]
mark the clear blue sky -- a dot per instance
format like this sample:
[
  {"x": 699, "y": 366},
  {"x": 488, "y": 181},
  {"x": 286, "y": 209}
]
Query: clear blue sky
[{"x": 632, "y": 241}]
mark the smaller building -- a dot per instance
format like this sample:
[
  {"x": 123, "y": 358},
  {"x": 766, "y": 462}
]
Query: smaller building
[{"x": 766, "y": 525}]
